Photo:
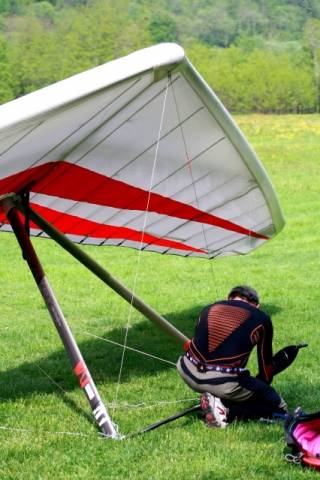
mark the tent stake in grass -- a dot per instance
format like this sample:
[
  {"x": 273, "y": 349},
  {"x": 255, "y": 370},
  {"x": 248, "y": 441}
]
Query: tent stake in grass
[{"x": 78, "y": 364}]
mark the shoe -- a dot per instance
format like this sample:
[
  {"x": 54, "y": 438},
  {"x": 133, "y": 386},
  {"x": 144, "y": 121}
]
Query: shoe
[{"x": 215, "y": 412}]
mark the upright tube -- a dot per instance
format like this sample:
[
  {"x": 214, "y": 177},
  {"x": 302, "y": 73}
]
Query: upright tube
[{"x": 78, "y": 364}]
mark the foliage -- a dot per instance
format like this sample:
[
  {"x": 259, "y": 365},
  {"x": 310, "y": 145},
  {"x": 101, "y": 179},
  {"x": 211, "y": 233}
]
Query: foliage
[
  {"x": 312, "y": 37},
  {"x": 260, "y": 80},
  {"x": 45, "y": 48},
  {"x": 163, "y": 29},
  {"x": 258, "y": 55},
  {"x": 44, "y": 426}
]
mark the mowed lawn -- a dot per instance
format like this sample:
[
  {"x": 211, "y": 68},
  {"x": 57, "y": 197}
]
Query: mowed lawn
[{"x": 46, "y": 429}]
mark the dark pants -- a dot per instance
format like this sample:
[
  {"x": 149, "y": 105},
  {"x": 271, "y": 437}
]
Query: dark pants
[
  {"x": 264, "y": 402},
  {"x": 245, "y": 396}
]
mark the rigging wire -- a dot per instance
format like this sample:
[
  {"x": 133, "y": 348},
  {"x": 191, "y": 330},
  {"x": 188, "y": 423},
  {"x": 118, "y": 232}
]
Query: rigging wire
[
  {"x": 141, "y": 405},
  {"x": 47, "y": 432},
  {"x": 152, "y": 404},
  {"x": 141, "y": 241},
  {"x": 52, "y": 380},
  {"x": 189, "y": 166},
  {"x": 130, "y": 348}
]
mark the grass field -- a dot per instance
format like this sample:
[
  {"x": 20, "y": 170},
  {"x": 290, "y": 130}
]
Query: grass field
[{"x": 46, "y": 430}]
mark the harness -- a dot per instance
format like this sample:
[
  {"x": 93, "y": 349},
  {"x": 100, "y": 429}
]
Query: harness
[{"x": 205, "y": 367}]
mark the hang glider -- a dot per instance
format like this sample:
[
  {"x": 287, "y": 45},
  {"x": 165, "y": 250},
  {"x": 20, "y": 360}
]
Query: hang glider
[
  {"x": 143, "y": 133},
  {"x": 140, "y": 153}
]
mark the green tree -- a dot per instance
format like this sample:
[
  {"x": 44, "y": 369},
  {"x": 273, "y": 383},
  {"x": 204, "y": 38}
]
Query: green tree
[
  {"x": 7, "y": 79},
  {"x": 312, "y": 36},
  {"x": 260, "y": 81},
  {"x": 250, "y": 51},
  {"x": 5, "y": 6},
  {"x": 44, "y": 10},
  {"x": 93, "y": 34},
  {"x": 32, "y": 54},
  {"x": 287, "y": 21},
  {"x": 163, "y": 28},
  {"x": 250, "y": 20},
  {"x": 216, "y": 26},
  {"x": 47, "y": 46},
  {"x": 15, "y": 6}
]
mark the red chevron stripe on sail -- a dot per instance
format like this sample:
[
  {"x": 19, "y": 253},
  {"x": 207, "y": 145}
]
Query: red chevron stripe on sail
[
  {"x": 74, "y": 225},
  {"x": 65, "y": 180}
]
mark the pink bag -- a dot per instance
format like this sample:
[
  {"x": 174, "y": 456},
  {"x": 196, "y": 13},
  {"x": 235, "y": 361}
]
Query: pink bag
[{"x": 303, "y": 439}]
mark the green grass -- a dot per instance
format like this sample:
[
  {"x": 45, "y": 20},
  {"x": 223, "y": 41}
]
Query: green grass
[{"x": 285, "y": 272}]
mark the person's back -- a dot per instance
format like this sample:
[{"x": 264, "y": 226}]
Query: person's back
[{"x": 226, "y": 333}]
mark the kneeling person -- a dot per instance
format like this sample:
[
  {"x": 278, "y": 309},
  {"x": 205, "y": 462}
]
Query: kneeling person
[{"x": 217, "y": 355}]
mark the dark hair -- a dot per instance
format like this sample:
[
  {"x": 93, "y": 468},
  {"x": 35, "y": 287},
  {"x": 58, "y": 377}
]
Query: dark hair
[{"x": 246, "y": 293}]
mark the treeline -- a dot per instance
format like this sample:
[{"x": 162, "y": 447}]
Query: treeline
[
  {"x": 260, "y": 80},
  {"x": 258, "y": 55}
]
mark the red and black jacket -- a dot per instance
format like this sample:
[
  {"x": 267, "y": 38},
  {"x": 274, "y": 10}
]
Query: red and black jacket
[{"x": 226, "y": 333}]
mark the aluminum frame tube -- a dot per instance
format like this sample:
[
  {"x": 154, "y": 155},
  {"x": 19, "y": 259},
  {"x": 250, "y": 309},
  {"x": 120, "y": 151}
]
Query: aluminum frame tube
[{"x": 79, "y": 366}]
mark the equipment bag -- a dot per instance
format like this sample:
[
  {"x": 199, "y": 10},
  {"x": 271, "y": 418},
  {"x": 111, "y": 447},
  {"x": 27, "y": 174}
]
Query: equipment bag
[{"x": 302, "y": 434}]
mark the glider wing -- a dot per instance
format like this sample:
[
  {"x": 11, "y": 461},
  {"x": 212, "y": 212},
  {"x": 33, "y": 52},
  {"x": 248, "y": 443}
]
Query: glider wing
[{"x": 138, "y": 152}]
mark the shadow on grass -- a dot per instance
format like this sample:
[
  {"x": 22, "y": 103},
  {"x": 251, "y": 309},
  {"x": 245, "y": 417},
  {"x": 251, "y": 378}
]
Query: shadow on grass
[
  {"x": 102, "y": 358},
  {"x": 271, "y": 309}
]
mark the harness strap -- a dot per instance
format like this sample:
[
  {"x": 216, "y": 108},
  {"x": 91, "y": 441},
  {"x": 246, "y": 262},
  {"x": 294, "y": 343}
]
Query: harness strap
[{"x": 205, "y": 367}]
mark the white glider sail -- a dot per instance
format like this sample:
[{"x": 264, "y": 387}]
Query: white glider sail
[{"x": 138, "y": 152}]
